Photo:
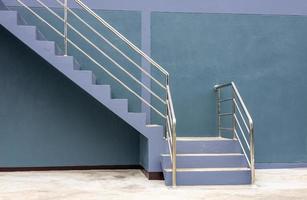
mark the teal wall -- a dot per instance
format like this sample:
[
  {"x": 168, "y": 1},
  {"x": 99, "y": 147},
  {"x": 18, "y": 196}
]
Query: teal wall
[
  {"x": 46, "y": 120},
  {"x": 264, "y": 54}
]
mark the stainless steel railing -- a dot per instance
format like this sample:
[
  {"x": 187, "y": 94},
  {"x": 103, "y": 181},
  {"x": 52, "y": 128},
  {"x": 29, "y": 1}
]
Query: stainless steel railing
[
  {"x": 237, "y": 116},
  {"x": 168, "y": 114},
  {"x": 171, "y": 133}
]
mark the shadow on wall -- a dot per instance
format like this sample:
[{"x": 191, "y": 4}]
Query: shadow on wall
[{"x": 46, "y": 120}]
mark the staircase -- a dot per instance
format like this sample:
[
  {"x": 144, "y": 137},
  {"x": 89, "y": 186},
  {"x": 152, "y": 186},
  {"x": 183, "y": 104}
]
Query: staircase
[
  {"x": 67, "y": 65},
  {"x": 207, "y": 161},
  {"x": 184, "y": 161}
]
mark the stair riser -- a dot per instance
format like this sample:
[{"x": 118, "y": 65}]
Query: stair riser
[
  {"x": 137, "y": 118},
  {"x": 205, "y": 162},
  {"x": 101, "y": 92},
  {"x": 215, "y": 146},
  {"x": 63, "y": 63},
  {"x": 83, "y": 78},
  {"x": 210, "y": 178},
  {"x": 46, "y": 46},
  {"x": 28, "y": 32},
  {"x": 119, "y": 105},
  {"x": 24, "y": 34},
  {"x": 8, "y": 18}
]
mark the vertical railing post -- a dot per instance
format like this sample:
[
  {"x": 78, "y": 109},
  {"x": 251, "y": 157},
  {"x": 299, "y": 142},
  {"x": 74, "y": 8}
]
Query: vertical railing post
[
  {"x": 173, "y": 135},
  {"x": 65, "y": 28},
  {"x": 252, "y": 152},
  {"x": 218, "y": 110},
  {"x": 174, "y": 166},
  {"x": 233, "y": 113}
]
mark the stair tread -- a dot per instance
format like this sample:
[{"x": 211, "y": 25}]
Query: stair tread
[
  {"x": 201, "y": 138},
  {"x": 209, "y": 169},
  {"x": 206, "y": 154}
]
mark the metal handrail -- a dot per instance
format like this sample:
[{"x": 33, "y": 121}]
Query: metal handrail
[
  {"x": 170, "y": 125},
  {"x": 93, "y": 60},
  {"x": 112, "y": 45},
  {"x": 171, "y": 137},
  {"x": 128, "y": 42},
  {"x": 248, "y": 124},
  {"x": 100, "y": 51}
]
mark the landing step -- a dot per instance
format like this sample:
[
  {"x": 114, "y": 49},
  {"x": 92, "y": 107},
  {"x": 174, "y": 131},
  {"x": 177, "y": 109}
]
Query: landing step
[
  {"x": 208, "y": 169},
  {"x": 209, "y": 176},
  {"x": 205, "y": 145},
  {"x": 201, "y": 138}
]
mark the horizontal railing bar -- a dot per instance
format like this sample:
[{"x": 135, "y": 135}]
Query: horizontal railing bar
[
  {"x": 115, "y": 78},
  {"x": 130, "y": 44},
  {"x": 226, "y": 129},
  {"x": 243, "y": 119},
  {"x": 236, "y": 92},
  {"x": 171, "y": 106},
  {"x": 216, "y": 87},
  {"x": 250, "y": 120},
  {"x": 113, "y": 46},
  {"x": 230, "y": 99},
  {"x": 224, "y": 114},
  {"x": 93, "y": 60},
  {"x": 40, "y": 18},
  {"x": 243, "y": 134},
  {"x": 103, "y": 53},
  {"x": 244, "y": 152},
  {"x": 169, "y": 110}
]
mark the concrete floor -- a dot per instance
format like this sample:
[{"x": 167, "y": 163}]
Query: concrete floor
[{"x": 131, "y": 184}]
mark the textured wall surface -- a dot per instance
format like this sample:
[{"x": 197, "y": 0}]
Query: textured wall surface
[
  {"x": 292, "y": 7},
  {"x": 46, "y": 120},
  {"x": 265, "y": 56}
]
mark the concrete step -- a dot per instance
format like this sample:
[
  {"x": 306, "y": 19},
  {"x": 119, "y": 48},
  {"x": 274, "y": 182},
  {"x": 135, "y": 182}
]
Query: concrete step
[
  {"x": 222, "y": 160},
  {"x": 47, "y": 46},
  {"x": 30, "y": 31},
  {"x": 101, "y": 92},
  {"x": 209, "y": 176},
  {"x": 137, "y": 118},
  {"x": 207, "y": 145},
  {"x": 8, "y": 17}
]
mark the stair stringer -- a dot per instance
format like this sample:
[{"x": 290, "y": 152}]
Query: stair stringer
[{"x": 86, "y": 80}]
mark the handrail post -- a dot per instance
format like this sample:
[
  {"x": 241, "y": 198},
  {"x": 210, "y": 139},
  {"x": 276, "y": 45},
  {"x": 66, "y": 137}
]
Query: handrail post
[
  {"x": 174, "y": 166},
  {"x": 65, "y": 28},
  {"x": 252, "y": 152},
  {"x": 233, "y": 113},
  {"x": 173, "y": 133},
  {"x": 218, "y": 110}
]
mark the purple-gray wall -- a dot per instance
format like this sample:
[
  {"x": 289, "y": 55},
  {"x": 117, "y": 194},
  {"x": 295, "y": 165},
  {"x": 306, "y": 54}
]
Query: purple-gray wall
[{"x": 284, "y": 7}]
